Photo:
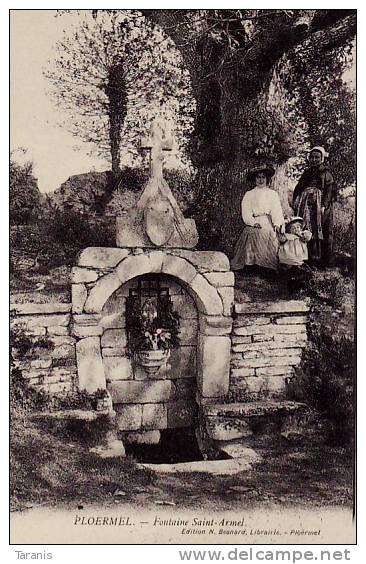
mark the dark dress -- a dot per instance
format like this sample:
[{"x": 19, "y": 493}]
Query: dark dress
[{"x": 315, "y": 190}]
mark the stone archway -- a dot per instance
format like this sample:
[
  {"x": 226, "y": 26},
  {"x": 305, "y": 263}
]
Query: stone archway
[{"x": 206, "y": 277}]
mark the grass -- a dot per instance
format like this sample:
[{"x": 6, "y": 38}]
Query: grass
[
  {"x": 45, "y": 469},
  {"x": 50, "y": 470},
  {"x": 306, "y": 477}
]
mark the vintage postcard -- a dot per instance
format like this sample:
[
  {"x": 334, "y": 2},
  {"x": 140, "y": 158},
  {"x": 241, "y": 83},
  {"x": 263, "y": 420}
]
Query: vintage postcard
[{"x": 182, "y": 229}]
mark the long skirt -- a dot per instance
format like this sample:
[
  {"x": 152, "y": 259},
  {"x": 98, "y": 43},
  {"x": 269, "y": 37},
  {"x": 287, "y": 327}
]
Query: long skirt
[{"x": 256, "y": 247}]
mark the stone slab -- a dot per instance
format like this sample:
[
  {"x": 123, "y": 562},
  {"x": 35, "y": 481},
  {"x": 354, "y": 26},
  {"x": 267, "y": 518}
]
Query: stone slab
[
  {"x": 157, "y": 391},
  {"x": 114, "y": 338},
  {"x": 128, "y": 417},
  {"x": 41, "y": 363},
  {"x": 245, "y": 320},
  {"x": 280, "y": 306},
  {"x": 271, "y": 352},
  {"x": 241, "y": 452},
  {"x": 206, "y": 261},
  {"x": 265, "y": 346},
  {"x": 254, "y": 408},
  {"x": 63, "y": 351},
  {"x": 90, "y": 365},
  {"x": 274, "y": 371},
  {"x": 137, "y": 265},
  {"x": 242, "y": 372},
  {"x": 57, "y": 330},
  {"x": 207, "y": 297},
  {"x": 214, "y": 467},
  {"x": 154, "y": 416},
  {"x": 221, "y": 429},
  {"x": 215, "y": 325},
  {"x": 291, "y": 319},
  {"x": 113, "y": 449},
  {"x": 102, "y": 257},
  {"x": 219, "y": 279},
  {"x": 62, "y": 340},
  {"x": 117, "y": 368},
  {"x": 114, "y": 320},
  {"x": 83, "y": 275},
  {"x": 213, "y": 365},
  {"x": 42, "y": 309},
  {"x": 79, "y": 293},
  {"x": 142, "y": 437},
  {"x": 130, "y": 232},
  {"x": 179, "y": 268},
  {"x": 269, "y": 361},
  {"x": 113, "y": 351},
  {"x": 46, "y": 320},
  {"x": 86, "y": 319},
  {"x": 271, "y": 329},
  {"x": 101, "y": 291},
  {"x": 227, "y": 297},
  {"x": 261, "y": 384},
  {"x": 86, "y": 331},
  {"x": 59, "y": 388}
]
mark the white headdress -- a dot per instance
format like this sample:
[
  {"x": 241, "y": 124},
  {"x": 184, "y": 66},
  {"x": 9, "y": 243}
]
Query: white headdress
[{"x": 321, "y": 150}]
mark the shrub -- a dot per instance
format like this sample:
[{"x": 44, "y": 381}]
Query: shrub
[
  {"x": 344, "y": 226},
  {"x": 56, "y": 239},
  {"x": 325, "y": 380},
  {"x": 24, "y": 197},
  {"x": 22, "y": 396}
]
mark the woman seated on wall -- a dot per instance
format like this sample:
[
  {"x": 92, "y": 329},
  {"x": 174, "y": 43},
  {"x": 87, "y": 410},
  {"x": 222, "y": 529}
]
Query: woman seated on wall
[{"x": 263, "y": 217}]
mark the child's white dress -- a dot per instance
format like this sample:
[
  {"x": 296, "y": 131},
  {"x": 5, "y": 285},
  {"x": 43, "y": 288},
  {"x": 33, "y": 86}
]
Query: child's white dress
[{"x": 294, "y": 251}]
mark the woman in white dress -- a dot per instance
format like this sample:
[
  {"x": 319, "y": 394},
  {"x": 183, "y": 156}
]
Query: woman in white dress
[{"x": 263, "y": 217}]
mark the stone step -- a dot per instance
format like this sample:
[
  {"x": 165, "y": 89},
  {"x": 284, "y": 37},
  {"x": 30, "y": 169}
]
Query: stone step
[
  {"x": 238, "y": 450},
  {"x": 254, "y": 409},
  {"x": 233, "y": 421},
  {"x": 214, "y": 467},
  {"x": 272, "y": 307}
]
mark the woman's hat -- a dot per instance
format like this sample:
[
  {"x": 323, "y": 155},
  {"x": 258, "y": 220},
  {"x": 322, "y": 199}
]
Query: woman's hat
[{"x": 266, "y": 168}]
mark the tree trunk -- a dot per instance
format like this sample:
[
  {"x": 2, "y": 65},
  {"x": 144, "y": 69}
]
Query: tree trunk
[
  {"x": 252, "y": 128},
  {"x": 116, "y": 92},
  {"x": 241, "y": 109}
]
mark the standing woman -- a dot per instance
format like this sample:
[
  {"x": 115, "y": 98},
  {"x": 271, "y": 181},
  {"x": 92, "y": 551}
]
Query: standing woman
[
  {"x": 313, "y": 200},
  {"x": 262, "y": 215}
]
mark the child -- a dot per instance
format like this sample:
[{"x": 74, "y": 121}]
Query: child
[{"x": 293, "y": 244}]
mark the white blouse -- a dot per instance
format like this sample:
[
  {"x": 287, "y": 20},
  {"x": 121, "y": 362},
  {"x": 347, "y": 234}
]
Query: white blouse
[{"x": 261, "y": 202}]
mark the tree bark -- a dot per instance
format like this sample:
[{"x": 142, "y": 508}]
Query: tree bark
[
  {"x": 116, "y": 92},
  {"x": 237, "y": 127}
]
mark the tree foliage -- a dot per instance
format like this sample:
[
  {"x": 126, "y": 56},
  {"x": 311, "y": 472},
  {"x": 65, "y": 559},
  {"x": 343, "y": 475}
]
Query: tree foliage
[
  {"x": 112, "y": 72},
  {"x": 268, "y": 84},
  {"x": 24, "y": 194}
]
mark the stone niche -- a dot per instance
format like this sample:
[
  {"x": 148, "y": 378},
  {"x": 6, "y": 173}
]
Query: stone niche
[{"x": 201, "y": 289}]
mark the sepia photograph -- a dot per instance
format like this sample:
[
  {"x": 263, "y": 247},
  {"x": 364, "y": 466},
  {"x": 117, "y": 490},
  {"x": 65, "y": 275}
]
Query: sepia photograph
[{"x": 182, "y": 277}]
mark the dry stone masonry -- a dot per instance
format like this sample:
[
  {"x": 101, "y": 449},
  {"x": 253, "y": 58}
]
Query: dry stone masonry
[{"x": 227, "y": 376}]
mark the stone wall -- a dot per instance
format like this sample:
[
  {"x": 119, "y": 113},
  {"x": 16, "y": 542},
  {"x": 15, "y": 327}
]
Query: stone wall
[
  {"x": 242, "y": 353},
  {"x": 50, "y": 364},
  {"x": 267, "y": 343}
]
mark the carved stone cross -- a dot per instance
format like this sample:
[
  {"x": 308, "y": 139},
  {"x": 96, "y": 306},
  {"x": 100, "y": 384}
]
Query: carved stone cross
[
  {"x": 158, "y": 141},
  {"x": 157, "y": 215}
]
